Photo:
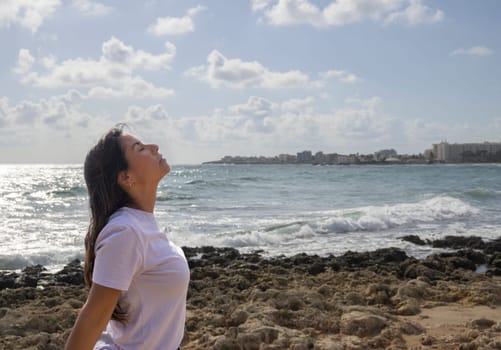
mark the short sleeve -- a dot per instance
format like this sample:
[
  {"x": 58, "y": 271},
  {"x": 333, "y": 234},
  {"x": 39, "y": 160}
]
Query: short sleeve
[{"x": 119, "y": 257}]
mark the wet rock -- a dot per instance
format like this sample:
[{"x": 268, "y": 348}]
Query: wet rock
[
  {"x": 493, "y": 246},
  {"x": 29, "y": 276},
  {"x": 459, "y": 242},
  {"x": 415, "y": 270},
  {"x": 413, "y": 239},
  {"x": 8, "y": 280},
  {"x": 72, "y": 274},
  {"x": 496, "y": 263},
  {"x": 316, "y": 268},
  {"x": 386, "y": 256}
]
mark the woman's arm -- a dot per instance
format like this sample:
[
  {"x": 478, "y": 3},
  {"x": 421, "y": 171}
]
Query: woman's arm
[{"x": 93, "y": 317}]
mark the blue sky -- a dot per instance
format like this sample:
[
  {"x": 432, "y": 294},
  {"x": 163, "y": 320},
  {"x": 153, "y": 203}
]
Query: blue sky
[{"x": 205, "y": 79}]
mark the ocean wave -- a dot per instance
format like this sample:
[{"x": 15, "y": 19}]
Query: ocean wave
[
  {"x": 482, "y": 194},
  {"x": 252, "y": 179},
  {"x": 436, "y": 210},
  {"x": 386, "y": 217},
  {"x": 211, "y": 183},
  {"x": 47, "y": 259},
  {"x": 196, "y": 182},
  {"x": 74, "y": 191},
  {"x": 174, "y": 196}
]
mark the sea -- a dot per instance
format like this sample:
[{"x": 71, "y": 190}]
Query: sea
[{"x": 274, "y": 209}]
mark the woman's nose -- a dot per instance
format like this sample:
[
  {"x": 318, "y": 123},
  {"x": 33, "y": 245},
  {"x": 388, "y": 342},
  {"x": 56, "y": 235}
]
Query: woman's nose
[{"x": 154, "y": 148}]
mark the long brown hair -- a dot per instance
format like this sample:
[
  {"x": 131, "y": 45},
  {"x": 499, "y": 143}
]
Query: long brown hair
[{"x": 101, "y": 168}]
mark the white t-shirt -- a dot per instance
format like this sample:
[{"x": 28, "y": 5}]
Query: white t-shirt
[{"x": 134, "y": 255}]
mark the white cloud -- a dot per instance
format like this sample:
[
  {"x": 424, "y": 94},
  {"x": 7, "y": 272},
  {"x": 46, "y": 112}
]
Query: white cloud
[
  {"x": 260, "y": 126},
  {"x": 255, "y": 107},
  {"x": 176, "y": 25},
  {"x": 480, "y": 51},
  {"x": 258, "y": 5},
  {"x": 299, "y": 105},
  {"x": 415, "y": 13},
  {"x": 133, "y": 87},
  {"x": 235, "y": 73},
  {"x": 114, "y": 74},
  {"x": 344, "y": 12},
  {"x": 24, "y": 62},
  {"x": 29, "y": 14},
  {"x": 90, "y": 8},
  {"x": 60, "y": 112},
  {"x": 342, "y": 76},
  {"x": 145, "y": 117}
]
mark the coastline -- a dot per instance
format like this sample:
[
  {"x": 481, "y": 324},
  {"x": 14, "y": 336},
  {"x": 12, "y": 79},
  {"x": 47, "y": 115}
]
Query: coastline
[{"x": 379, "y": 299}]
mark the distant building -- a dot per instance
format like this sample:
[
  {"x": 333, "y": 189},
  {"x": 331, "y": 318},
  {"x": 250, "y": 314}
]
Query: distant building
[
  {"x": 385, "y": 153},
  {"x": 287, "y": 158},
  {"x": 466, "y": 152},
  {"x": 344, "y": 159},
  {"x": 331, "y": 158},
  {"x": 305, "y": 157},
  {"x": 320, "y": 158},
  {"x": 428, "y": 154}
]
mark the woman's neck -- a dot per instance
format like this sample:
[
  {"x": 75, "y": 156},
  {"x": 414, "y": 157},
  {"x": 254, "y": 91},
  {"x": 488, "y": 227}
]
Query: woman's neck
[{"x": 143, "y": 199}]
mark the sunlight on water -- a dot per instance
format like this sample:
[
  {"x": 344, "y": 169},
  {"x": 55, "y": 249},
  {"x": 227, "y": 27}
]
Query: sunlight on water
[{"x": 279, "y": 209}]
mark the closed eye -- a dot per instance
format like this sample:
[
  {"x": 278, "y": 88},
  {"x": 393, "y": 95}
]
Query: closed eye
[{"x": 141, "y": 146}]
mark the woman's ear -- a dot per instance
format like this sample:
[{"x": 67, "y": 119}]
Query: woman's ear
[{"x": 124, "y": 179}]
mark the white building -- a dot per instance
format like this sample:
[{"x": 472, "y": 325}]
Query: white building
[{"x": 455, "y": 153}]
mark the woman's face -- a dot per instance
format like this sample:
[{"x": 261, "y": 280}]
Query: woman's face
[{"x": 146, "y": 165}]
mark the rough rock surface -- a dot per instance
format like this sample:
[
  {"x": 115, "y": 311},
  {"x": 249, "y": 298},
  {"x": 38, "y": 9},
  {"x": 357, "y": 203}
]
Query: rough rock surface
[{"x": 372, "y": 300}]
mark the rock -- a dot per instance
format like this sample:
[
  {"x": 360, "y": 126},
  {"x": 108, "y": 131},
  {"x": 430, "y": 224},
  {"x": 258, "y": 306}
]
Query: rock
[
  {"x": 237, "y": 318},
  {"x": 416, "y": 270},
  {"x": 362, "y": 324},
  {"x": 413, "y": 239},
  {"x": 354, "y": 298},
  {"x": 468, "y": 346},
  {"x": 416, "y": 289},
  {"x": 378, "y": 293},
  {"x": 459, "y": 242},
  {"x": 8, "y": 280},
  {"x": 267, "y": 334},
  {"x": 223, "y": 343},
  {"x": 411, "y": 328},
  {"x": 408, "y": 307},
  {"x": 482, "y": 323},
  {"x": 246, "y": 301},
  {"x": 493, "y": 246},
  {"x": 496, "y": 263},
  {"x": 428, "y": 340},
  {"x": 71, "y": 274},
  {"x": 495, "y": 344},
  {"x": 316, "y": 268}
]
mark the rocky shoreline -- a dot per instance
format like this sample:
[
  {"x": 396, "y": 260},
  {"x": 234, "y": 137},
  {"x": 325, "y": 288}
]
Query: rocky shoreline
[{"x": 372, "y": 300}]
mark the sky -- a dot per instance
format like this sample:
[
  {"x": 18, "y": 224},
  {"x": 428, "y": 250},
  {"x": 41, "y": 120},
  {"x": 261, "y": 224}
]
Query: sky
[{"x": 206, "y": 79}]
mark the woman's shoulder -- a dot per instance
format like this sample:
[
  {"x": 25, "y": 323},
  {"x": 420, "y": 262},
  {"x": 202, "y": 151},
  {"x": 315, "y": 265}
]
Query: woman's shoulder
[{"x": 122, "y": 223}]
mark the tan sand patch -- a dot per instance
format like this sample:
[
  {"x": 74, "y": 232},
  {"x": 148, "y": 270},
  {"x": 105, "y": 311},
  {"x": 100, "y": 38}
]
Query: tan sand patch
[{"x": 451, "y": 320}]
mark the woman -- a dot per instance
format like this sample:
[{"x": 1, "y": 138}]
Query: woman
[{"x": 137, "y": 277}]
